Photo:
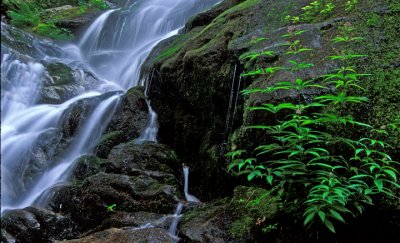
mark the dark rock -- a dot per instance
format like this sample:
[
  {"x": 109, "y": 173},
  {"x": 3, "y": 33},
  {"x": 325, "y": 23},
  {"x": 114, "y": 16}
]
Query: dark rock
[
  {"x": 131, "y": 159},
  {"x": 107, "y": 142},
  {"x": 131, "y": 115},
  {"x": 62, "y": 83},
  {"x": 126, "y": 235},
  {"x": 138, "y": 219},
  {"x": 75, "y": 23},
  {"x": 206, "y": 17},
  {"x": 36, "y": 225},
  {"x": 229, "y": 220},
  {"x": 86, "y": 165},
  {"x": 87, "y": 203}
]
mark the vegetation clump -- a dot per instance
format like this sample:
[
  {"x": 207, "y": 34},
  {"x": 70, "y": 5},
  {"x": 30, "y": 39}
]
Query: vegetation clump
[
  {"x": 332, "y": 176},
  {"x": 34, "y": 15}
]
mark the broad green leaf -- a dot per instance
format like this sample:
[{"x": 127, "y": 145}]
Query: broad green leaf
[
  {"x": 309, "y": 218},
  {"x": 269, "y": 179},
  {"x": 336, "y": 215},
  {"x": 329, "y": 225},
  {"x": 379, "y": 184}
]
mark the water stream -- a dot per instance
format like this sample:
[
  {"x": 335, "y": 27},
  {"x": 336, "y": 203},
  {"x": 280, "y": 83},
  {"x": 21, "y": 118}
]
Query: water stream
[
  {"x": 113, "y": 48},
  {"x": 233, "y": 99}
]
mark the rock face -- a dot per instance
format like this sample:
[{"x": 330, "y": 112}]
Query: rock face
[{"x": 205, "y": 107}]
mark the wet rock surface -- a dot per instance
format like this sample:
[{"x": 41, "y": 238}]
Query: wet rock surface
[
  {"x": 131, "y": 116},
  {"x": 126, "y": 235},
  {"x": 35, "y": 225}
]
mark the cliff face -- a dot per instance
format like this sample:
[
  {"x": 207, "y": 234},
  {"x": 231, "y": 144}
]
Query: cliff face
[{"x": 193, "y": 75}]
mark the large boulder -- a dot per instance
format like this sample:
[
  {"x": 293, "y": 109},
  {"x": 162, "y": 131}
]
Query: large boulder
[
  {"x": 128, "y": 193},
  {"x": 231, "y": 219},
  {"x": 133, "y": 159},
  {"x": 128, "y": 122},
  {"x": 35, "y": 225}
]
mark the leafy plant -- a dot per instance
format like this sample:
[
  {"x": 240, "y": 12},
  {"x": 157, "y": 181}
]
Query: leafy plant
[
  {"x": 340, "y": 174},
  {"x": 111, "y": 208},
  {"x": 23, "y": 13}
]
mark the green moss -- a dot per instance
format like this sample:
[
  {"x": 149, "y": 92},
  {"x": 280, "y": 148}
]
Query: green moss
[
  {"x": 169, "y": 52},
  {"x": 49, "y": 29},
  {"x": 241, "y": 6},
  {"x": 109, "y": 136},
  {"x": 381, "y": 33},
  {"x": 242, "y": 227},
  {"x": 61, "y": 73}
]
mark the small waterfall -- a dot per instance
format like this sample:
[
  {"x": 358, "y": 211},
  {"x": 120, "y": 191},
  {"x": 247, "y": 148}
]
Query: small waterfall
[
  {"x": 172, "y": 230},
  {"x": 176, "y": 217},
  {"x": 189, "y": 198},
  {"x": 151, "y": 130}
]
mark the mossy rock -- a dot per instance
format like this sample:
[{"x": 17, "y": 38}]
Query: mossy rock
[
  {"x": 107, "y": 142},
  {"x": 235, "y": 219},
  {"x": 85, "y": 166}
]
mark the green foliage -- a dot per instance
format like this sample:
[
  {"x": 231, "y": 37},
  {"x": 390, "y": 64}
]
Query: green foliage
[
  {"x": 31, "y": 15},
  {"x": 111, "y": 208},
  {"x": 340, "y": 175},
  {"x": 49, "y": 29},
  {"x": 99, "y": 4},
  {"x": 254, "y": 208},
  {"x": 23, "y": 13}
]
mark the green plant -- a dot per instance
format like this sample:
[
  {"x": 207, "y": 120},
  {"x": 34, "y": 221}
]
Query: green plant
[
  {"x": 99, "y": 4},
  {"x": 111, "y": 208},
  {"x": 340, "y": 175},
  {"x": 49, "y": 29},
  {"x": 23, "y": 13},
  {"x": 350, "y": 5}
]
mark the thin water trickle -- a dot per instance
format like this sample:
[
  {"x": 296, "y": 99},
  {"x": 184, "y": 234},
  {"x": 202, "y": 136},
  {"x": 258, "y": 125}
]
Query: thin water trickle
[
  {"x": 236, "y": 101},
  {"x": 231, "y": 98}
]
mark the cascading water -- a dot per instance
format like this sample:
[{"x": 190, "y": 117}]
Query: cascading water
[
  {"x": 189, "y": 197},
  {"x": 172, "y": 230},
  {"x": 113, "y": 48}
]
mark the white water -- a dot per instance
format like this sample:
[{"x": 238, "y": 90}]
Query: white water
[
  {"x": 189, "y": 197},
  {"x": 172, "y": 230},
  {"x": 114, "y": 48}
]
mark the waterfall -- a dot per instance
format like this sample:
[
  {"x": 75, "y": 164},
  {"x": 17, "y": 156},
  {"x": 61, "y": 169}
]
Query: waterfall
[
  {"x": 178, "y": 212},
  {"x": 177, "y": 215},
  {"x": 113, "y": 48},
  {"x": 189, "y": 198}
]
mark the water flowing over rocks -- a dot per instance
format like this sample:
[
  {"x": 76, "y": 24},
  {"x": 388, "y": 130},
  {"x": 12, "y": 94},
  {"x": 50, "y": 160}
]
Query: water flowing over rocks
[{"x": 122, "y": 189}]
